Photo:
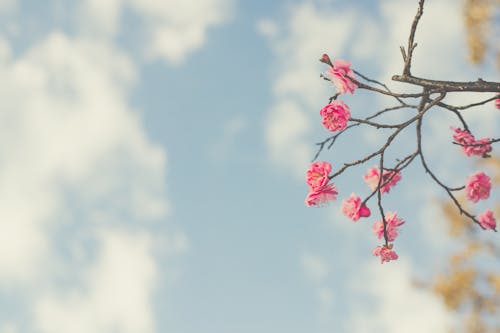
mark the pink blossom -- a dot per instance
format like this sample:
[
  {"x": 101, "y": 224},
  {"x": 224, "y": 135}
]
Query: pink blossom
[
  {"x": 393, "y": 222},
  {"x": 340, "y": 73},
  {"x": 462, "y": 136},
  {"x": 471, "y": 146},
  {"x": 487, "y": 220},
  {"x": 389, "y": 179},
  {"x": 317, "y": 174},
  {"x": 385, "y": 252},
  {"x": 497, "y": 103},
  {"x": 353, "y": 209},
  {"x": 371, "y": 177},
  {"x": 335, "y": 116},
  {"x": 478, "y": 187},
  {"x": 478, "y": 148},
  {"x": 321, "y": 195}
]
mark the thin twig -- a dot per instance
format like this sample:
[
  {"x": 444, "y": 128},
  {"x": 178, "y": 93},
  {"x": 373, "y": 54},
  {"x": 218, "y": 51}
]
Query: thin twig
[
  {"x": 468, "y": 106},
  {"x": 433, "y": 176},
  {"x": 476, "y": 144},
  {"x": 379, "y": 198},
  {"x": 457, "y": 113},
  {"x": 374, "y": 124},
  {"x": 411, "y": 45}
]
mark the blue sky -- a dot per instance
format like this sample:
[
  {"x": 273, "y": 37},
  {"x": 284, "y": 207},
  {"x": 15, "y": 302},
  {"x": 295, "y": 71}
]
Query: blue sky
[{"x": 153, "y": 156}]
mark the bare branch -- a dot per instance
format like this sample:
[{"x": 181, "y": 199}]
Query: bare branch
[
  {"x": 450, "y": 86},
  {"x": 411, "y": 44}
]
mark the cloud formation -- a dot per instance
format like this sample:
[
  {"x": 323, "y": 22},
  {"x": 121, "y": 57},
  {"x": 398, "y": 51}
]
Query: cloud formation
[
  {"x": 81, "y": 184},
  {"x": 395, "y": 303},
  {"x": 298, "y": 92},
  {"x": 115, "y": 294},
  {"x": 172, "y": 29}
]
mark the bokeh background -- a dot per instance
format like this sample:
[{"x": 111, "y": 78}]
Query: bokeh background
[{"x": 152, "y": 160}]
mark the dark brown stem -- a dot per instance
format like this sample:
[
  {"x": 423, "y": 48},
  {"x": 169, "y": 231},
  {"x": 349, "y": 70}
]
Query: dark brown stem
[
  {"x": 379, "y": 198},
  {"x": 457, "y": 108}
]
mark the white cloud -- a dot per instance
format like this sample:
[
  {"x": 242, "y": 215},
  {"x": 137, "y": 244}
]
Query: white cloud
[
  {"x": 436, "y": 54},
  {"x": 267, "y": 28},
  {"x": 9, "y": 328},
  {"x": 8, "y": 5},
  {"x": 101, "y": 18},
  {"x": 178, "y": 28},
  {"x": 172, "y": 29},
  {"x": 297, "y": 88},
  {"x": 115, "y": 294},
  {"x": 305, "y": 38},
  {"x": 395, "y": 303},
  {"x": 286, "y": 131},
  {"x": 75, "y": 158}
]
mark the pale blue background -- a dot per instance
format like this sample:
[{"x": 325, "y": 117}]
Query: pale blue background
[{"x": 251, "y": 257}]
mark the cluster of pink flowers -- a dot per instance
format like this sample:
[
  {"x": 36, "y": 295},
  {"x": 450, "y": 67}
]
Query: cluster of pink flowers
[
  {"x": 321, "y": 191},
  {"x": 336, "y": 114},
  {"x": 487, "y": 220},
  {"x": 340, "y": 73},
  {"x": 478, "y": 187},
  {"x": 389, "y": 179},
  {"x": 353, "y": 208},
  {"x": 317, "y": 177},
  {"x": 317, "y": 174},
  {"x": 393, "y": 222},
  {"x": 335, "y": 117},
  {"x": 471, "y": 146},
  {"x": 385, "y": 252}
]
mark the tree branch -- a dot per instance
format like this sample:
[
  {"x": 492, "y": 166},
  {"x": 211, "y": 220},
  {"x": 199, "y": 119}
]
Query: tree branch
[
  {"x": 449, "y": 86},
  {"x": 411, "y": 45}
]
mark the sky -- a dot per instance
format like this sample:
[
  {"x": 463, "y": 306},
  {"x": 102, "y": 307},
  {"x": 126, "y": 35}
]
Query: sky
[{"x": 153, "y": 156}]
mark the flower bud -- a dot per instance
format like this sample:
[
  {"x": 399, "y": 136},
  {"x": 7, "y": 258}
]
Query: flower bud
[{"x": 325, "y": 59}]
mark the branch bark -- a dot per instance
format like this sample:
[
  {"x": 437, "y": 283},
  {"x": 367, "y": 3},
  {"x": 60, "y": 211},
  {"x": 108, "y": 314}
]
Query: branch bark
[{"x": 450, "y": 86}]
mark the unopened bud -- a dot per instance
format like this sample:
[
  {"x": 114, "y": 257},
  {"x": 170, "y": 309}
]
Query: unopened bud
[
  {"x": 364, "y": 211},
  {"x": 325, "y": 59}
]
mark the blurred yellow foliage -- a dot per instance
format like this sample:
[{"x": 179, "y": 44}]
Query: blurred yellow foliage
[
  {"x": 481, "y": 30},
  {"x": 468, "y": 286},
  {"x": 456, "y": 287}
]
